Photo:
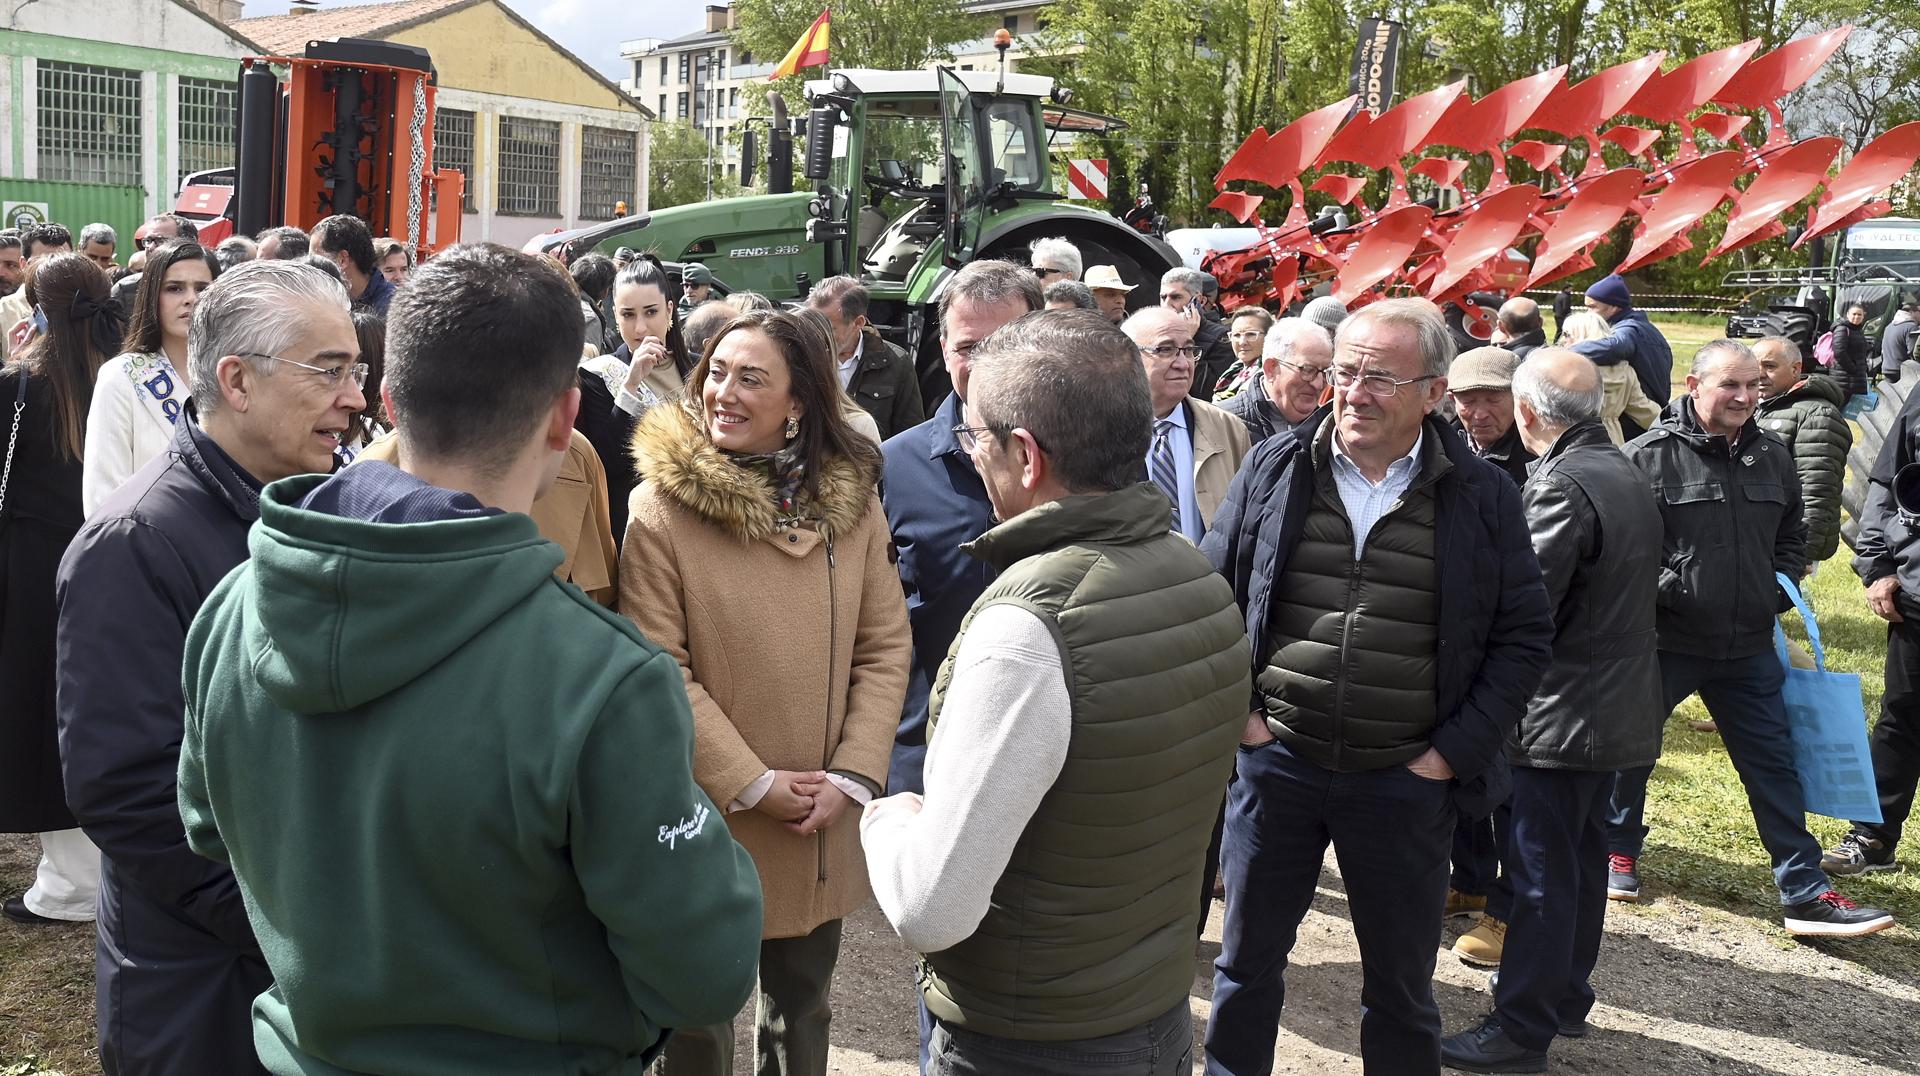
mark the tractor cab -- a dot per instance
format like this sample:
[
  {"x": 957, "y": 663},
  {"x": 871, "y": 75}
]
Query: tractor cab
[{"x": 912, "y": 163}]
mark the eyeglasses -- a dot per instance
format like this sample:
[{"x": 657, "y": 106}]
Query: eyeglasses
[
  {"x": 1251, "y": 334},
  {"x": 1168, "y": 351},
  {"x": 152, "y": 241},
  {"x": 331, "y": 374},
  {"x": 969, "y": 436},
  {"x": 1043, "y": 272},
  {"x": 1379, "y": 386},
  {"x": 1311, "y": 373}
]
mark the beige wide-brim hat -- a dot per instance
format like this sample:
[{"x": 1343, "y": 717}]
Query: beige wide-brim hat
[
  {"x": 1482, "y": 368},
  {"x": 1106, "y": 276}
]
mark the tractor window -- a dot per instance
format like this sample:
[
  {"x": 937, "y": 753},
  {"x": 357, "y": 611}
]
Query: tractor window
[{"x": 1010, "y": 138}]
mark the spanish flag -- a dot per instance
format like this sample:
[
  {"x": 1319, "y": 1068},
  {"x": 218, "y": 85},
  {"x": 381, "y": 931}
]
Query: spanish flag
[{"x": 811, "y": 49}]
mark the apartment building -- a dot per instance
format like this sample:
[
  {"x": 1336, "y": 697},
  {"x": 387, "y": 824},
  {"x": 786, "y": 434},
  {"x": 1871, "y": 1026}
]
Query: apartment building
[{"x": 698, "y": 78}]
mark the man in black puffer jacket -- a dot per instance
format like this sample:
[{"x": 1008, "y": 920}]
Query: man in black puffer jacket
[
  {"x": 1399, "y": 626},
  {"x": 1730, "y": 507},
  {"x": 1805, "y": 413},
  {"x": 1597, "y": 710}
]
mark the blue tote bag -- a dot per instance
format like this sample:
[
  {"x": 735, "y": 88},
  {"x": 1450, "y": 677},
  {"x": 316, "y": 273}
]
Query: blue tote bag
[{"x": 1828, "y": 716}]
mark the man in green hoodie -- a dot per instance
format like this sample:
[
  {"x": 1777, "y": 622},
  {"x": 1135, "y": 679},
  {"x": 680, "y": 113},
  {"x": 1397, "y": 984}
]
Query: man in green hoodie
[{"x": 457, "y": 794}]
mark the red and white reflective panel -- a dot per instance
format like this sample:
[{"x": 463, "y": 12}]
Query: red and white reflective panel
[{"x": 1087, "y": 178}]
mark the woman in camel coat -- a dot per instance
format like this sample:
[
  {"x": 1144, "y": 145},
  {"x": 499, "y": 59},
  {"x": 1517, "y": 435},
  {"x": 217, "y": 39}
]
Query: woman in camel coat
[{"x": 758, "y": 556}]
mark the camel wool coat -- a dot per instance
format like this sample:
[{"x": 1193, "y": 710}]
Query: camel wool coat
[{"x": 793, "y": 642}]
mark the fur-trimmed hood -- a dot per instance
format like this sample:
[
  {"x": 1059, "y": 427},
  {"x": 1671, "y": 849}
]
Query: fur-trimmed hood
[{"x": 673, "y": 453}]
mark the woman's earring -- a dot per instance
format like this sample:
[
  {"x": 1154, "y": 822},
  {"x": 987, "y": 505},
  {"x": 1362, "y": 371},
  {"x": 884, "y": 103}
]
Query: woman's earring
[{"x": 793, "y": 427}]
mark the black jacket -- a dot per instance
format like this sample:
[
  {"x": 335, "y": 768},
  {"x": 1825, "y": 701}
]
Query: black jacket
[
  {"x": 1852, "y": 355},
  {"x": 1262, "y": 417},
  {"x": 1596, "y": 532},
  {"x": 1885, "y": 544},
  {"x": 178, "y": 968},
  {"x": 1494, "y": 620},
  {"x": 41, "y": 514},
  {"x": 1524, "y": 344},
  {"x": 1509, "y": 453},
  {"x": 886, "y": 386},
  {"x": 1216, "y": 358},
  {"x": 1731, "y": 518},
  {"x": 1808, "y": 418}
]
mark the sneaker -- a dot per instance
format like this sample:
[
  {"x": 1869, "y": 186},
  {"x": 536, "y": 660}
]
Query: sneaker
[
  {"x": 1464, "y": 904},
  {"x": 1623, "y": 879},
  {"x": 1488, "y": 1049},
  {"x": 1482, "y": 945},
  {"x": 1858, "y": 853},
  {"x": 1831, "y": 915}
]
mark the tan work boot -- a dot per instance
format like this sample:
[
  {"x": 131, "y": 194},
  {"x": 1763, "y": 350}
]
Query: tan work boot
[
  {"x": 1463, "y": 904},
  {"x": 1483, "y": 945}
]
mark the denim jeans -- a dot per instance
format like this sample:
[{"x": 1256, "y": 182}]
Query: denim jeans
[
  {"x": 1162, "y": 1046},
  {"x": 1391, "y": 831},
  {"x": 1743, "y": 697}
]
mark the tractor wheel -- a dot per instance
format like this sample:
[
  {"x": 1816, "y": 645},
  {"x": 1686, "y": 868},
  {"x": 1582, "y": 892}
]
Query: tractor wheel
[{"x": 1870, "y": 434}]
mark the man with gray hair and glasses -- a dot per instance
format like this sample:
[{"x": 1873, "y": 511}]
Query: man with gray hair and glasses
[
  {"x": 1596, "y": 532},
  {"x": 1293, "y": 374},
  {"x": 1399, "y": 626},
  {"x": 1056, "y": 919},
  {"x": 276, "y": 377},
  {"x": 1730, "y": 512}
]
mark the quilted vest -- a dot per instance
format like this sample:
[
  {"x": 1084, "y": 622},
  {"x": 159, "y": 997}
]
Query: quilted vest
[
  {"x": 1091, "y": 927},
  {"x": 1351, "y": 683}
]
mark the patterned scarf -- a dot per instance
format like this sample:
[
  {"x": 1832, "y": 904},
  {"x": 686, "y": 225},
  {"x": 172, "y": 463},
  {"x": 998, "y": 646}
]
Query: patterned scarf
[{"x": 786, "y": 470}]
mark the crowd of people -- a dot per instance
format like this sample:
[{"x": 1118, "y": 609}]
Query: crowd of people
[{"x": 495, "y": 665}]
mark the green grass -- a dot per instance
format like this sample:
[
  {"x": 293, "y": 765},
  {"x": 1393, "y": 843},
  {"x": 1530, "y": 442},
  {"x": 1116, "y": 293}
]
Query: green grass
[{"x": 1703, "y": 846}]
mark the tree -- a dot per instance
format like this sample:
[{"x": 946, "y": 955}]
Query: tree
[
  {"x": 1162, "y": 65},
  {"x": 678, "y": 167},
  {"x": 892, "y": 35}
]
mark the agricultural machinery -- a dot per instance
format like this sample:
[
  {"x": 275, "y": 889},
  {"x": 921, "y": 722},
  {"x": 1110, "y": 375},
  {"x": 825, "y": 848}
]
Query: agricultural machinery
[{"x": 915, "y": 174}]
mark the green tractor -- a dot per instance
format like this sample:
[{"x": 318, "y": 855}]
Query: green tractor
[{"x": 915, "y": 174}]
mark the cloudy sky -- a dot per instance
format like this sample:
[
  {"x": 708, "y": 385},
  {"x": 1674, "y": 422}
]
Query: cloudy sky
[{"x": 592, "y": 29}]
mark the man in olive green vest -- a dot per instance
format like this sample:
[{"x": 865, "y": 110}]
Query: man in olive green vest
[{"x": 1083, "y": 725}]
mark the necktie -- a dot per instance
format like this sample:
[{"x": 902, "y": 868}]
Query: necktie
[{"x": 1160, "y": 466}]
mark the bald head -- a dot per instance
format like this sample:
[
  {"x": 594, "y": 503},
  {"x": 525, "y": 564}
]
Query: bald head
[
  {"x": 1151, "y": 321},
  {"x": 1519, "y": 316},
  {"x": 1553, "y": 391}
]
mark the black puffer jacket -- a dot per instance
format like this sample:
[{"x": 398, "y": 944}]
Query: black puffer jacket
[
  {"x": 1596, "y": 531},
  {"x": 1807, "y": 417},
  {"x": 1853, "y": 353},
  {"x": 1494, "y": 621},
  {"x": 177, "y": 968},
  {"x": 1731, "y": 519}
]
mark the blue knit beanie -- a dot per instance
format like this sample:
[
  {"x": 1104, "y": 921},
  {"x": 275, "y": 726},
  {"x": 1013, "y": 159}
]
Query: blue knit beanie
[{"x": 1611, "y": 290}]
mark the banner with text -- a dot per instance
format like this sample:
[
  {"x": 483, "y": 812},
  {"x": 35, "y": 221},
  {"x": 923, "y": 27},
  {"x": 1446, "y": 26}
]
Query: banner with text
[{"x": 1376, "y": 59}]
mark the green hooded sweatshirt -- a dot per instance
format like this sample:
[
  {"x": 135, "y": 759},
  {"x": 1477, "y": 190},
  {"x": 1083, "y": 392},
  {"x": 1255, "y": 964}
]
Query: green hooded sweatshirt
[{"x": 458, "y": 797}]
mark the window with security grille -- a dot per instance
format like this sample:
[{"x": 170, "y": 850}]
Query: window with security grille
[
  {"x": 606, "y": 170},
  {"x": 206, "y": 126},
  {"x": 453, "y": 148},
  {"x": 529, "y": 168},
  {"x": 89, "y": 123}
]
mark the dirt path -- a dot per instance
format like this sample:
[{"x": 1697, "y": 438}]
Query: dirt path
[{"x": 1683, "y": 990}]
